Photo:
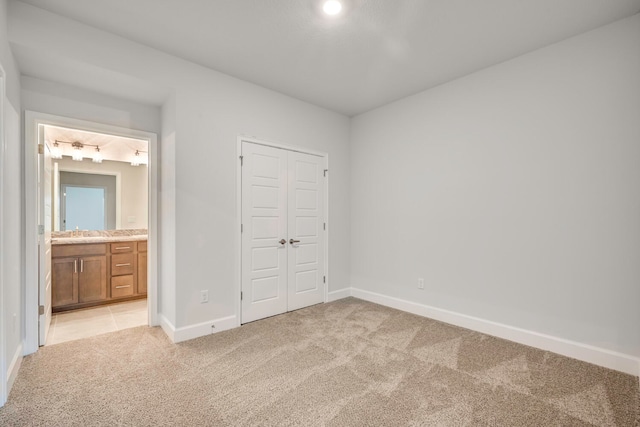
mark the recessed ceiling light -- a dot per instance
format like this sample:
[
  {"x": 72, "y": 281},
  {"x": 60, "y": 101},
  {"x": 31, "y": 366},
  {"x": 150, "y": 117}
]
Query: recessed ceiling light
[{"x": 332, "y": 7}]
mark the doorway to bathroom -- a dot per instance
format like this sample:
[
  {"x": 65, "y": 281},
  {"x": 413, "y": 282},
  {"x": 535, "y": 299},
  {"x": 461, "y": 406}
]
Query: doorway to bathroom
[{"x": 94, "y": 190}]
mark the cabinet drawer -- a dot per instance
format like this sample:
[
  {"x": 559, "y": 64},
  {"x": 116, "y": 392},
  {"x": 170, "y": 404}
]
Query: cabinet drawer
[
  {"x": 78, "y": 250},
  {"x": 142, "y": 246},
  {"x": 122, "y": 286},
  {"x": 121, "y": 247},
  {"x": 121, "y": 264}
]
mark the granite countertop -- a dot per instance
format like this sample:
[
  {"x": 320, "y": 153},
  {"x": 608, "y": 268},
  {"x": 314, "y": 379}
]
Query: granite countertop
[
  {"x": 103, "y": 236},
  {"x": 95, "y": 239}
]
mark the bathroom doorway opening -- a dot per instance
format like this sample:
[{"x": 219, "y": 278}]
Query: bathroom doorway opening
[{"x": 93, "y": 190}]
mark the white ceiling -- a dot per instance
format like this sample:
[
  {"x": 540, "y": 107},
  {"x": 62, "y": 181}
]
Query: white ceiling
[
  {"x": 114, "y": 148},
  {"x": 377, "y": 52}
]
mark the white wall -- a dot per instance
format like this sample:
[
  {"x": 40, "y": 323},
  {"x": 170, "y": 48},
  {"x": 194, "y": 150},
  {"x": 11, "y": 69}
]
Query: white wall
[
  {"x": 11, "y": 227},
  {"x": 513, "y": 192},
  {"x": 198, "y": 158},
  {"x": 68, "y": 101},
  {"x": 134, "y": 186},
  {"x": 167, "y": 217}
]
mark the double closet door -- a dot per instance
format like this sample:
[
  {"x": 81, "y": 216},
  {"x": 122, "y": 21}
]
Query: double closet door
[{"x": 283, "y": 230}]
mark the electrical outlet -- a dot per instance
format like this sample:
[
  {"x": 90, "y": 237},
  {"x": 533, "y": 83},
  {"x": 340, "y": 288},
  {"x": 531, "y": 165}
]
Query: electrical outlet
[
  {"x": 204, "y": 297},
  {"x": 420, "y": 283}
]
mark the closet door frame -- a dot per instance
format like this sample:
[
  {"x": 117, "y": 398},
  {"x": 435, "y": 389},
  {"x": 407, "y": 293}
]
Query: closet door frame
[{"x": 253, "y": 140}]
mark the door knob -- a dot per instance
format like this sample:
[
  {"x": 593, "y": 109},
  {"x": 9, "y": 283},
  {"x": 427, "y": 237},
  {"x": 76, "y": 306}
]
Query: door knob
[
  {"x": 291, "y": 241},
  {"x": 282, "y": 241}
]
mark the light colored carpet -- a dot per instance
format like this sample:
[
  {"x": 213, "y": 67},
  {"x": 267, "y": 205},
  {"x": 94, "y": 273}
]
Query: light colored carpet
[{"x": 346, "y": 363}]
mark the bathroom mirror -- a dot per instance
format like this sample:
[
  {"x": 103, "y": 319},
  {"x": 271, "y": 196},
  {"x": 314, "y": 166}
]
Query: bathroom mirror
[
  {"x": 100, "y": 182},
  {"x": 99, "y": 196}
]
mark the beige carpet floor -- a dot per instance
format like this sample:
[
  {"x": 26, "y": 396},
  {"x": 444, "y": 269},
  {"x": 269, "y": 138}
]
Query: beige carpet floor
[{"x": 346, "y": 363}]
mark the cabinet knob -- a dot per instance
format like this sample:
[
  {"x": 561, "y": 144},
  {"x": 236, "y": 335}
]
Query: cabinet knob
[{"x": 282, "y": 241}]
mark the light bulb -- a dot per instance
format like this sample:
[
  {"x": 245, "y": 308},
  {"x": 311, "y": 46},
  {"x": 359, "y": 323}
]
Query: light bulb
[
  {"x": 136, "y": 159},
  {"x": 332, "y": 7},
  {"x": 97, "y": 157},
  {"x": 56, "y": 152},
  {"x": 77, "y": 154}
]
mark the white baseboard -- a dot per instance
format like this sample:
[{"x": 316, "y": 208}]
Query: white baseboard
[
  {"x": 167, "y": 327},
  {"x": 587, "y": 353},
  {"x": 14, "y": 367},
  {"x": 190, "y": 332},
  {"x": 339, "y": 294}
]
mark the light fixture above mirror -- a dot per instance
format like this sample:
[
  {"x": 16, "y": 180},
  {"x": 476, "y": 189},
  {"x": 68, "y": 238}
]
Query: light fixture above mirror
[{"x": 76, "y": 154}]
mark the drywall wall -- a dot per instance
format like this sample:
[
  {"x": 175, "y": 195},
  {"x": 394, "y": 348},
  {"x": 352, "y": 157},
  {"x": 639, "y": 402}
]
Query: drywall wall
[
  {"x": 167, "y": 215},
  {"x": 134, "y": 186},
  {"x": 199, "y": 162},
  {"x": 11, "y": 227},
  {"x": 513, "y": 192},
  {"x": 68, "y": 101}
]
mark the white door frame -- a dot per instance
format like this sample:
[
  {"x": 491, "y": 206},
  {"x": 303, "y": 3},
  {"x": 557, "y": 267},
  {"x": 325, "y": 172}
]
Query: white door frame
[
  {"x": 3, "y": 352},
  {"x": 305, "y": 150},
  {"x": 32, "y": 121}
]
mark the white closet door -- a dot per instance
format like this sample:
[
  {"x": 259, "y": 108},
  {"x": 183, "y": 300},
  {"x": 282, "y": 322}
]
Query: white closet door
[
  {"x": 306, "y": 223},
  {"x": 264, "y": 220}
]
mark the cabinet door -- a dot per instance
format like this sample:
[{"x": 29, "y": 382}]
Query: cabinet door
[
  {"x": 142, "y": 273},
  {"x": 64, "y": 281},
  {"x": 92, "y": 279}
]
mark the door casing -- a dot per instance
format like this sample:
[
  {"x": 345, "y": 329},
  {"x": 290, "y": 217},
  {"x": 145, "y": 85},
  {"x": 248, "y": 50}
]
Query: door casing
[
  {"x": 3, "y": 359},
  {"x": 32, "y": 122},
  {"x": 254, "y": 140}
]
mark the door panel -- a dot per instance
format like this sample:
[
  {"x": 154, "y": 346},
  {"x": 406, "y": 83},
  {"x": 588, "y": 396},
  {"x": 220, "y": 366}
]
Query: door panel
[
  {"x": 92, "y": 279},
  {"x": 282, "y": 199},
  {"x": 65, "y": 275},
  {"x": 45, "y": 187},
  {"x": 306, "y": 223},
  {"x": 264, "y": 210}
]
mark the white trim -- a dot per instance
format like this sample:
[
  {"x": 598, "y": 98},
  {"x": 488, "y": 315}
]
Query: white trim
[
  {"x": 274, "y": 144},
  {"x": 587, "y": 353},
  {"x": 326, "y": 230},
  {"x": 14, "y": 367},
  {"x": 167, "y": 327},
  {"x": 238, "y": 286},
  {"x": 118, "y": 176},
  {"x": 198, "y": 330},
  {"x": 190, "y": 332},
  {"x": 240, "y": 139},
  {"x": 32, "y": 121},
  {"x": 339, "y": 294},
  {"x": 3, "y": 353}
]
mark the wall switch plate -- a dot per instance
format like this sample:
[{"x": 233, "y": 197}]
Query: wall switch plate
[
  {"x": 204, "y": 297},
  {"x": 421, "y": 283}
]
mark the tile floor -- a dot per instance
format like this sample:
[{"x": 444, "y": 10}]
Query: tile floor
[{"x": 89, "y": 322}]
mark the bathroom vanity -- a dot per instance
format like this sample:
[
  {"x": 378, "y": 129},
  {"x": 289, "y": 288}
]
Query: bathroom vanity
[{"x": 89, "y": 271}]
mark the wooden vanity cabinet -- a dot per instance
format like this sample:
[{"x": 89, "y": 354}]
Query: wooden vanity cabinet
[
  {"x": 90, "y": 274},
  {"x": 92, "y": 279},
  {"x": 79, "y": 274},
  {"x": 142, "y": 267},
  {"x": 64, "y": 289},
  {"x": 123, "y": 265}
]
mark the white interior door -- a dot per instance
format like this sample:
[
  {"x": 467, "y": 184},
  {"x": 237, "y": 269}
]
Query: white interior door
[
  {"x": 305, "y": 230},
  {"x": 264, "y": 223},
  {"x": 45, "y": 190},
  {"x": 283, "y": 231}
]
